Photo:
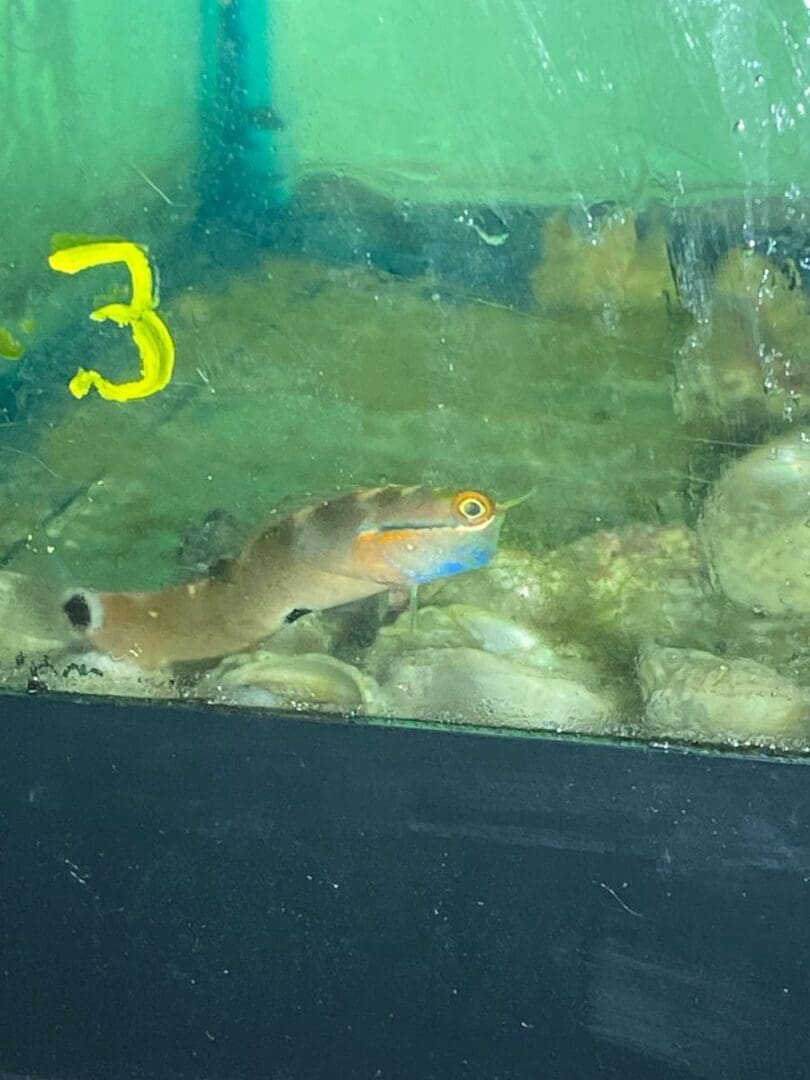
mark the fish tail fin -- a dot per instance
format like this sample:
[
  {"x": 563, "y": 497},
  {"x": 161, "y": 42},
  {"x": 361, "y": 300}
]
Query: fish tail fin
[{"x": 30, "y": 620}]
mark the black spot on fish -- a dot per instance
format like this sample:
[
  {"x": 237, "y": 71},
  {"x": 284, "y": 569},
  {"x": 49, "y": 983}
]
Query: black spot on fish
[
  {"x": 296, "y": 613},
  {"x": 78, "y": 611}
]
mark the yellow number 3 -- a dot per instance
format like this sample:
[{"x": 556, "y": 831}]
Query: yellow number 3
[{"x": 149, "y": 332}]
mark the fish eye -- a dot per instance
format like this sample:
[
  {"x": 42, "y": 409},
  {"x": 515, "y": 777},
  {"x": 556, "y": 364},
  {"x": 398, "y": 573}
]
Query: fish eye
[{"x": 473, "y": 507}]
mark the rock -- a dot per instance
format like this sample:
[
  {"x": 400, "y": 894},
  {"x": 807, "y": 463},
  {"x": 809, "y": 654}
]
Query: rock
[
  {"x": 643, "y": 581},
  {"x": 275, "y": 680},
  {"x": 746, "y": 364},
  {"x": 608, "y": 591},
  {"x": 756, "y": 528},
  {"x": 97, "y": 673},
  {"x": 760, "y": 283},
  {"x": 470, "y": 686},
  {"x": 462, "y": 626},
  {"x": 698, "y": 697},
  {"x": 516, "y": 585},
  {"x": 88, "y": 672},
  {"x": 610, "y": 265}
]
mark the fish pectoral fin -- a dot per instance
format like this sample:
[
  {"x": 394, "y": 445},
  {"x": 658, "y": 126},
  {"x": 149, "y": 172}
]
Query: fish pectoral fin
[{"x": 296, "y": 614}]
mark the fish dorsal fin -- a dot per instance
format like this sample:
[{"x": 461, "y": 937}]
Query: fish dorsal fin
[
  {"x": 322, "y": 506},
  {"x": 290, "y": 505}
]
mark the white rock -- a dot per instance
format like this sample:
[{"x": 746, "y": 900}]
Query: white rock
[
  {"x": 277, "y": 680},
  {"x": 696, "y": 696},
  {"x": 464, "y": 685},
  {"x": 609, "y": 589},
  {"x": 756, "y": 528}
]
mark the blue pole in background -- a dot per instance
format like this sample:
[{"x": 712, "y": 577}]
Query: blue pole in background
[{"x": 237, "y": 181}]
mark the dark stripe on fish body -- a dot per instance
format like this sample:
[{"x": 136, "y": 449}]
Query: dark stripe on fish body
[
  {"x": 282, "y": 532},
  {"x": 329, "y": 522},
  {"x": 340, "y": 516},
  {"x": 385, "y": 497}
]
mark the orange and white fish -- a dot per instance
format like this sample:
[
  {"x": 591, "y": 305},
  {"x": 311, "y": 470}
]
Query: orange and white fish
[{"x": 330, "y": 553}]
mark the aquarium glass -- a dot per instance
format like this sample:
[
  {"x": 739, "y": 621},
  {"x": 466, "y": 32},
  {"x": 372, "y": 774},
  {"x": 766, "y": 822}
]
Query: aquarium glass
[{"x": 430, "y": 362}]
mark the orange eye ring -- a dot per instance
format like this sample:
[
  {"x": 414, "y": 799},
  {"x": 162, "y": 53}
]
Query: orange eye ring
[{"x": 473, "y": 507}]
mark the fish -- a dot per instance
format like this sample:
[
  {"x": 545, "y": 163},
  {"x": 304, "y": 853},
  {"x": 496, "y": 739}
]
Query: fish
[
  {"x": 208, "y": 542},
  {"x": 329, "y": 553}
]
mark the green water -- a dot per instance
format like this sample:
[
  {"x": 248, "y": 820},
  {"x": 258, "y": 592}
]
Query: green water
[
  {"x": 436, "y": 302},
  {"x": 298, "y": 377}
]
